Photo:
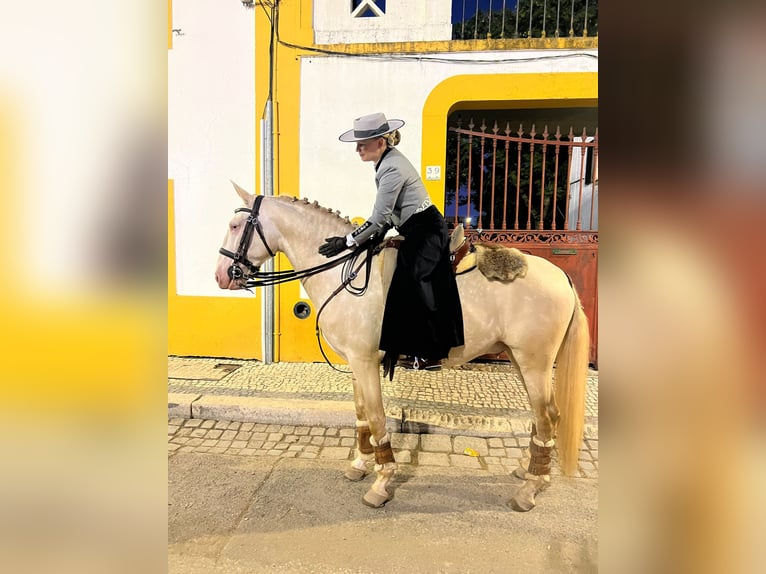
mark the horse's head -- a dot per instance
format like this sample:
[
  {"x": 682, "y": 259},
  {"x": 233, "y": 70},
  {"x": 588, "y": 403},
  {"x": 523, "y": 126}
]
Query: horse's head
[{"x": 246, "y": 245}]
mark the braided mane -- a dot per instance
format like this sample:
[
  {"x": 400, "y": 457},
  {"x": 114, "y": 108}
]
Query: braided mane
[{"x": 322, "y": 211}]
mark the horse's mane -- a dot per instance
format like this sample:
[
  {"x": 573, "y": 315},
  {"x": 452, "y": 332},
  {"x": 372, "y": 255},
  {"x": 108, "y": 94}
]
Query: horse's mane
[{"x": 325, "y": 212}]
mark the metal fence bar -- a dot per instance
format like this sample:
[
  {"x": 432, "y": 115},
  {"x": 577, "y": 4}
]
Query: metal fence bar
[
  {"x": 505, "y": 184},
  {"x": 462, "y": 22},
  {"x": 481, "y": 176},
  {"x": 585, "y": 27},
  {"x": 457, "y": 172},
  {"x": 468, "y": 198},
  {"x": 569, "y": 179},
  {"x": 494, "y": 163},
  {"x": 476, "y": 22},
  {"x": 518, "y": 178},
  {"x": 556, "y": 175},
  {"x": 594, "y": 174},
  {"x": 502, "y": 27},
  {"x": 531, "y": 173},
  {"x": 582, "y": 180},
  {"x": 571, "y": 23},
  {"x": 489, "y": 23},
  {"x": 542, "y": 180}
]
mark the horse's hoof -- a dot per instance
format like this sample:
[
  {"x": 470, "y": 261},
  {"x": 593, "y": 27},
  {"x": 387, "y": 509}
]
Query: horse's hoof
[
  {"x": 354, "y": 474},
  {"x": 521, "y": 505},
  {"x": 520, "y": 472},
  {"x": 374, "y": 500}
]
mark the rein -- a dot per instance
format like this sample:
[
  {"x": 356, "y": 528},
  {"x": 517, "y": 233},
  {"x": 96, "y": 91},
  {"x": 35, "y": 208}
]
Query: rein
[
  {"x": 257, "y": 278},
  {"x": 348, "y": 274},
  {"x": 266, "y": 278}
]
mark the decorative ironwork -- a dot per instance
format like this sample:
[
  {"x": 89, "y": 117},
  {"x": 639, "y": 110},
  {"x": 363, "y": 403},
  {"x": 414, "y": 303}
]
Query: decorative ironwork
[
  {"x": 537, "y": 237},
  {"x": 471, "y": 22},
  {"x": 570, "y": 181}
]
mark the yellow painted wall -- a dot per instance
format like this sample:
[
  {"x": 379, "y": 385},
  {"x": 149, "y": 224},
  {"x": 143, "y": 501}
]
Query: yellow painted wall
[
  {"x": 170, "y": 24},
  {"x": 295, "y": 338},
  {"x": 482, "y": 91},
  {"x": 209, "y": 326}
]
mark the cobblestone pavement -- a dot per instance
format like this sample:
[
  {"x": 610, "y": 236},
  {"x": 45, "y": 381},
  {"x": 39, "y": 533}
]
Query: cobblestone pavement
[
  {"x": 498, "y": 455},
  {"x": 487, "y": 389}
]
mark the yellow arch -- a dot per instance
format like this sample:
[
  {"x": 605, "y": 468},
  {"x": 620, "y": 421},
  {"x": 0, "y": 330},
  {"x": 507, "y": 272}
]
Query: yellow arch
[{"x": 487, "y": 91}]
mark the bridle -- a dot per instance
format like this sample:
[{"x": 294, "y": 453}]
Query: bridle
[
  {"x": 257, "y": 278},
  {"x": 235, "y": 272}
]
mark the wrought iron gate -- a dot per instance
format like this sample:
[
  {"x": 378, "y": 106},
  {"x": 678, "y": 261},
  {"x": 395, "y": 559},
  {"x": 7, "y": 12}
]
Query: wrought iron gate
[{"x": 534, "y": 191}]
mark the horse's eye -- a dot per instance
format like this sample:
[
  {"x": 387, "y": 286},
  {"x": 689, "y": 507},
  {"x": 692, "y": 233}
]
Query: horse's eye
[{"x": 233, "y": 226}]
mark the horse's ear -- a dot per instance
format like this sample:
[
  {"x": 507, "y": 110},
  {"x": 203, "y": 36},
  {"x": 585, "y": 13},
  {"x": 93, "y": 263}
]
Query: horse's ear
[{"x": 246, "y": 197}]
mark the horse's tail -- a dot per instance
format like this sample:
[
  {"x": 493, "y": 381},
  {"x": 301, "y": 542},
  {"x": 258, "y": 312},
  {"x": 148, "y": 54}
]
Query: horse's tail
[{"x": 571, "y": 376}]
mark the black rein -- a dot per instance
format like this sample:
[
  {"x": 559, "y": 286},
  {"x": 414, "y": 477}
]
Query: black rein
[{"x": 257, "y": 278}]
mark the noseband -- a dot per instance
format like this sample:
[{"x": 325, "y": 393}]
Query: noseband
[{"x": 235, "y": 272}]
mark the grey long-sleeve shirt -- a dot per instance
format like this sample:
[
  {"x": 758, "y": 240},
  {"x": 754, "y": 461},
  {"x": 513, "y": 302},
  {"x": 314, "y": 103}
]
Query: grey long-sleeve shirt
[{"x": 401, "y": 193}]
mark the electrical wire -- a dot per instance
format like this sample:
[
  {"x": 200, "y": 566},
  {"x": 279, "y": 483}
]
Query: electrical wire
[
  {"x": 434, "y": 59},
  {"x": 415, "y": 57}
]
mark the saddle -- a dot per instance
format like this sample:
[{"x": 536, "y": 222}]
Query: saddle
[{"x": 495, "y": 262}]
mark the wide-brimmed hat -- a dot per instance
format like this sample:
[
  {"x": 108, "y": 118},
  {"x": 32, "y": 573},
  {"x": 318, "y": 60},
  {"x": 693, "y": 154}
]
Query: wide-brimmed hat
[{"x": 371, "y": 126}]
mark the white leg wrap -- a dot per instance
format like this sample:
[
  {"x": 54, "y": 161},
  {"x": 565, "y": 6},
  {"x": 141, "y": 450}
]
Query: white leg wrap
[
  {"x": 362, "y": 424},
  {"x": 544, "y": 477},
  {"x": 539, "y": 442},
  {"x": 386, "y": 438},
  {"x": 385, "y": 471},
  {"x": 361, "y": 460},
  {"x": 385, "y": 474}
]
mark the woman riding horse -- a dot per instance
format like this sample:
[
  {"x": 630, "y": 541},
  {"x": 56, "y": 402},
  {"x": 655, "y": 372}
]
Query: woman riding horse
[{"x": 422, "y": 317}]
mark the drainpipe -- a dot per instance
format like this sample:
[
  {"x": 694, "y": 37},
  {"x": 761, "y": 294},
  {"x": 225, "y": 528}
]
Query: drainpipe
[{"x": 267, "y": 169}]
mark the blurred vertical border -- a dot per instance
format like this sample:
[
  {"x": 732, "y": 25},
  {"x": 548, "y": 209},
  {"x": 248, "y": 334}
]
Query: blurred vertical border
[
  {"x": 681, "y": 285},
  {"x": 82, "y": 294}
]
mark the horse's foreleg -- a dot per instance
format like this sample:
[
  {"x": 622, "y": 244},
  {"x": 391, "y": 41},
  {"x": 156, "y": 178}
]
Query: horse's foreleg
[
  {"x": 364, "y": 449},
  {"x": 385, "y": 467},
  {"x": 535, "y": 468},
  {"x": 368, "y": 379}
]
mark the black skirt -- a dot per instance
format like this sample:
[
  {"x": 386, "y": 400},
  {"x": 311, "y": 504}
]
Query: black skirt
[{"x": 423, "y": 316}]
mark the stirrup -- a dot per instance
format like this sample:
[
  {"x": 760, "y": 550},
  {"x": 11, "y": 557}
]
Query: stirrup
[{"x": 420, "y": 364}]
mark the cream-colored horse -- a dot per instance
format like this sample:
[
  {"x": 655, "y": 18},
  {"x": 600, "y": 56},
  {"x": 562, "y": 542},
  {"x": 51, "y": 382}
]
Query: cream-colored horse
[{"x": 537, "y": 319}]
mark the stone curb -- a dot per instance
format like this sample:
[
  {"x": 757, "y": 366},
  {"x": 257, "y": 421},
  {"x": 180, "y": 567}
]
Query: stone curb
[
  {"x": 180, "y": 404},
  {"x": 328, "y": 413},
  {"x": 300, "y": 412}
]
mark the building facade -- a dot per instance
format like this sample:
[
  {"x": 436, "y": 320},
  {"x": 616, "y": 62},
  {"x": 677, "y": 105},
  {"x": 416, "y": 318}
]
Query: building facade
[{"x": 323, "y": 63}]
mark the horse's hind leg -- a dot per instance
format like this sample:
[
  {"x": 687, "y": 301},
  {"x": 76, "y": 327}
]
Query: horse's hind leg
[
  {"x": 364, "y": 449},
  {"x": 367, "y": 374},
  {"x": 535, "y": 470}
]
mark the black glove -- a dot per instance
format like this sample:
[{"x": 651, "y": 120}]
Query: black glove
[{"x": 332, "y": 246}]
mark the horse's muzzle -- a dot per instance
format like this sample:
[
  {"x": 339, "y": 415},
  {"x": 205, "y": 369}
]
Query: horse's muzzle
[{"x": 235, "y": 272}]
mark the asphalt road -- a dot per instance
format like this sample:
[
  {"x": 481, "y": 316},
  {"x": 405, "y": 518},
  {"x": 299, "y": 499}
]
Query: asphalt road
[{"x": 235, "y": 514}]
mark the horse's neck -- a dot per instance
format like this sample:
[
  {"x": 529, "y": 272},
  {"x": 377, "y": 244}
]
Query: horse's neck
[{"x": 303, "y": 228}]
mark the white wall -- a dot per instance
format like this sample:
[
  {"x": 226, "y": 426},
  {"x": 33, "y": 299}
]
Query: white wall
[
  {"x": 335, "y": 90},
  {"x": 211, "y": 131},
  {"x": 403, "y": 21}
]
